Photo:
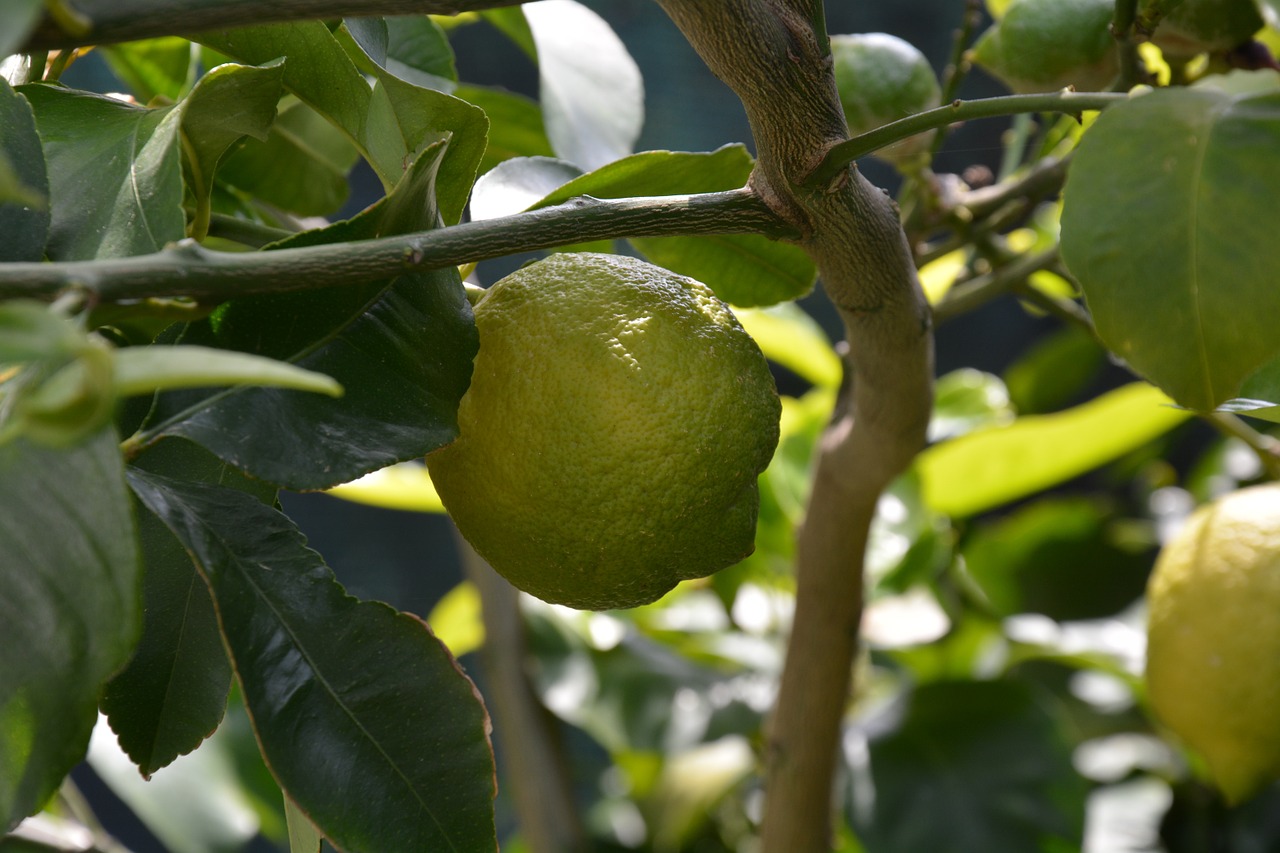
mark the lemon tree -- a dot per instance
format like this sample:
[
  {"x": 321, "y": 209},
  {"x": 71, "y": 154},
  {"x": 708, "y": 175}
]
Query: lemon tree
[
  {"x": 256, "y": 258},
  {"x": 611, "y": 437},
  {"x": 1213, "y": 659}
]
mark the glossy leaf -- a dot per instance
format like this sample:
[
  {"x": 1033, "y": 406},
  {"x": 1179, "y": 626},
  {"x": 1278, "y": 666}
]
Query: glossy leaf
[
  {"x": 69, "y": 608},
  {"x": 985, "y": 469},
  {"x": 154, "y": 68},
  {"x": 1179, "y": 278},
  {"x": 973, "y": 766},
  {"x": 518, "y": 184},
  {"x": 115, "y": 174},
  {"x": 24, "y": 209},
  {"x": 173, "y": 691},
  {"x": 401, "y": 351},
  {"x": 17, "y": 19},
  {"x": 363, "y": 716},
  {"x": 591, "y": 91},
  {"x": 412, "y": 47},
  {"x": 227, "y": 104},
  {"x": 515, "y": 125},
  {"x": 301, "y": 167}
]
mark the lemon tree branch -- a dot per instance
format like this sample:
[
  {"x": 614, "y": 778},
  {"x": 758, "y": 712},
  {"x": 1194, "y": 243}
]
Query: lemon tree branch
[
  {"x": 838, "y": 158},
  {"x": 771, "y": 54},
  {"x": 187, "y": 269},
  {"x": 109, "y": 21}
]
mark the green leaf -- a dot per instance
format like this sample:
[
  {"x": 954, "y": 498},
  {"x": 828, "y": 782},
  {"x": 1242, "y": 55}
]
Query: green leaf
[
  {"x": 173, "y": 692},
  {"x": 115, "y": 174},
  {"x": 17, "y": 19},
  {"x": 743, "y": 269},
  {"x": 512, "y": 24},
  {"x": 155, "y": 68},
  {"x": 965, "y": 400},
  {"x": 363, "y": 716},
  {"x": 1180, "y": 278},
  {"x": 1063, "y": 557},
  {"x": 401, "y": 350},
  {"x": 24, "y": 182},
  {"x": 591, "y": 91},
  {"x": 69, "y": 608},
  {"x": 303, "y": 835},
  {"x": 515, "y": 125},
  {"x": 229, "y": 103},
  {"x": 519, "y": 184},
  {"x": 141, "y": 370},
  {"x": 1053, "y": 371},
  {"x": 985, "y": 469},
  {"x": 412, "y": 47},
  {"x": 973, "y": 766},
  {"x": 301, "y": 167},
  {"x": 788, "y": 336}
]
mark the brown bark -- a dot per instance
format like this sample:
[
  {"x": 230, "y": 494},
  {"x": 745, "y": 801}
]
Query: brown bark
[{"x": 773, "y": 54}]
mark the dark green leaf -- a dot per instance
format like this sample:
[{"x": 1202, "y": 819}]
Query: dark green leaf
[
  {"x": 301, "y": 167},
  {"x": 69, "y": 608},
  {"x": 154, "y": 68},
  {"x": 1062, "y": 557},
  {"x": 515, "y": 125},
  {"x": 24, "y": 193},
  {"x": 401, "y": 353},
  {"x": 363, "y": 716},
  {"x": 1054, "y": 371},
  {"x": 591, "y": 91},
  {"x": 17, "y": 20},
  {"x": 973, "y": 766},
  {"x": 172, "y": 694},
  {"x": 1180, "y": 278},
  {"x": 115, "y": 174},
  {"x": 413, "y": 48},
  {"x": 229, "y": 103}
]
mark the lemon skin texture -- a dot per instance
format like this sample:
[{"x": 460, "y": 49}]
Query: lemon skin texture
[
  {"x": 1046, "y": 45},
  {"x": 1213, "y": 647},
  {"x": 610, "y": 441},
  {"x": 881, "y": 79}
]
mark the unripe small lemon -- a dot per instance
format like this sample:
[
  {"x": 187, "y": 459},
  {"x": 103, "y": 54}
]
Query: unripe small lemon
[
  {"x": 881, "y": 79},
  {"x": 609, "y": 444},
  {"x": 1046, "y": 45},
  {"x": 1213, "y": 653}
]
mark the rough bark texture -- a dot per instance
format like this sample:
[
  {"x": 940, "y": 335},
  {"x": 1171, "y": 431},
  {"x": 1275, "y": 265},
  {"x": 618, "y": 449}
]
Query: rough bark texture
[{"x": 774, "y": 55}]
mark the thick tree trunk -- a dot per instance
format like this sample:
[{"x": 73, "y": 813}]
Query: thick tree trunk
[{"x": 774, "y": 55}]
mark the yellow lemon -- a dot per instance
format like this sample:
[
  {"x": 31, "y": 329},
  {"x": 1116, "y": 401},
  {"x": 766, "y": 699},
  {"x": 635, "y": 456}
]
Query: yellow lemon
[
  {"x": 610, "y": 441},
  {"x": 1213, "y": 656}
]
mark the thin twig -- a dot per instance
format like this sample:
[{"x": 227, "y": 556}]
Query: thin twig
[{"x": 981, "y": 289}]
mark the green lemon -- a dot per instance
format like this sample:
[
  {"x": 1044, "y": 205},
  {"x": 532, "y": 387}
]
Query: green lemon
[
  {"x": 1206, "y": 26},
  {"x": 1046, "y": 45},
  {"x": 882, "y": 78},
  {"x": 609, "y": 444},
  {"x": 1213, "y": 642}
]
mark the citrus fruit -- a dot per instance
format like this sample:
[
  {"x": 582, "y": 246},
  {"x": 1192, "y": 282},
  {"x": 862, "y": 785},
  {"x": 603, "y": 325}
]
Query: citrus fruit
[
  {"x": 610, "y": 441},
  {"x": 1046, "y": 45},
  {"x": 1206, "y": 26},
  {"x": 1213, "y": 638},
  {"x": 882, "y": 78}
]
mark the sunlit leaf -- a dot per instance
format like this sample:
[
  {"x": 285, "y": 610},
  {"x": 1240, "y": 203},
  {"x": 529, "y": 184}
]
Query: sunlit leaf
[
  {"x": 406, "y": 486},
  {"x": 70, "y": 608},
  {"x": 154, "y": 68},
  {"x": 363, "y": 716},
  {"x": 456, "y": 619},
  {"x": 790, "y": 337},
  {"x": 591, "y": 91},
  {"x": 142, "y": 370},
  {"x": 984, "y": 469},
  {"x": 1179, "y": 278},
  {"x": 965, "y": 400}
]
